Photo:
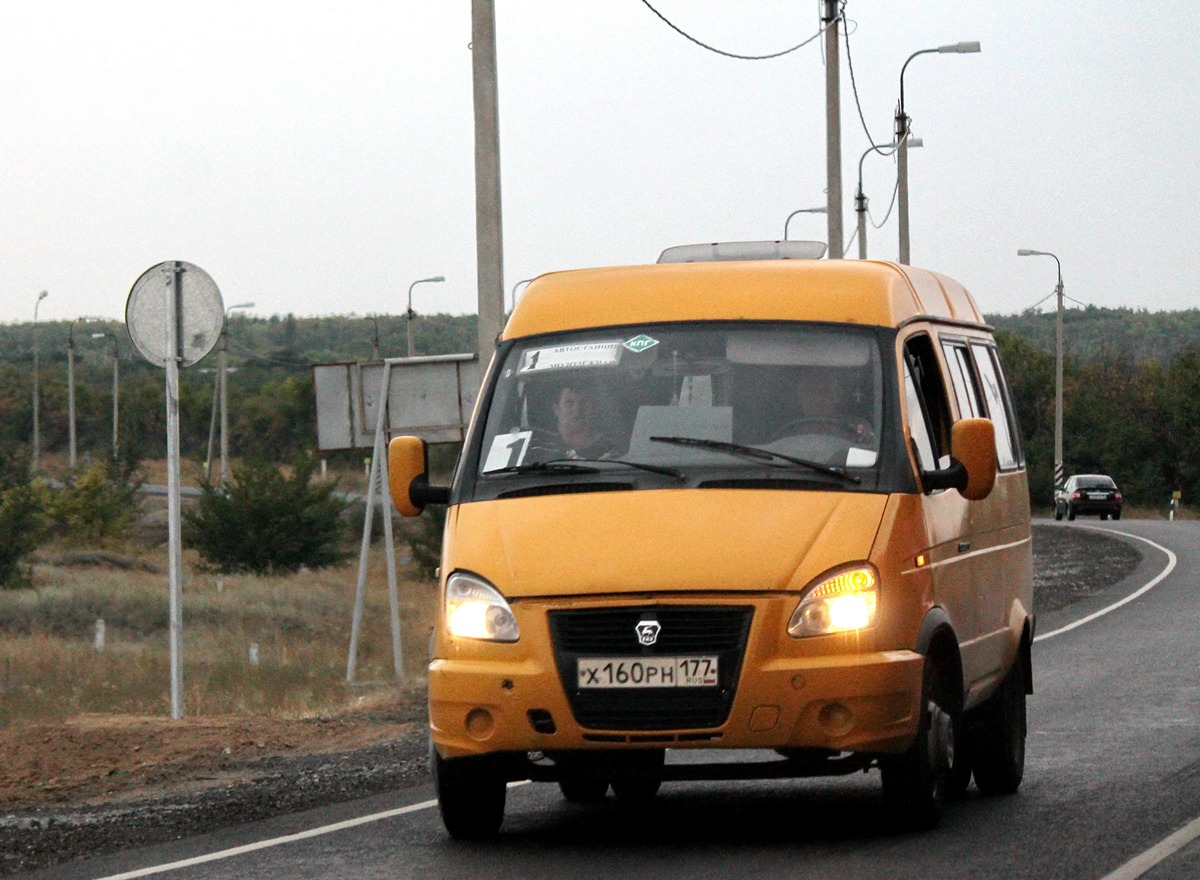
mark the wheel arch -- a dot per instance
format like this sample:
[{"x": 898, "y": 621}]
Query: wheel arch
[{"x": 938, "y": 641}]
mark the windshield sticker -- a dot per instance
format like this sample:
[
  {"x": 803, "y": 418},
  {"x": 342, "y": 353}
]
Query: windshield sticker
[
  {"x": 640, "y": 343},
  {"x": 504, "y": 448},
  {"x": 856, "y": 457},
  {"x": 566, "y": 357}
]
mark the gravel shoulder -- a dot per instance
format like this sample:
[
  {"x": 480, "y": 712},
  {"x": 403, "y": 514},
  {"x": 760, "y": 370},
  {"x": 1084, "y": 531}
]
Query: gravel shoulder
[{"x": 99, "y": 784}]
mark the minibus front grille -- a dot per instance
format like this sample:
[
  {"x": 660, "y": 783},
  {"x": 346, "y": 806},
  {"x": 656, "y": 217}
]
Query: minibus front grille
[{"x": 683, "y": 631}]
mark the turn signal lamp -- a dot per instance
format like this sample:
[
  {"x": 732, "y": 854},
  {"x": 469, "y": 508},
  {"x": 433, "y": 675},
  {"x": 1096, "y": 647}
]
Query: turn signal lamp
[{"x": 845, "y": 601}]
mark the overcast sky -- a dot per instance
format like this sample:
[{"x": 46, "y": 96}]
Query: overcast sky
[{"x": 317, "y": 158}]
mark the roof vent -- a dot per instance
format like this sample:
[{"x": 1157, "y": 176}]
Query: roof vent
[{"x": 719, "y": 251}]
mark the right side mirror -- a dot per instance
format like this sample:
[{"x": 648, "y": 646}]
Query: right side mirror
[{"x": 973, "y": 442}]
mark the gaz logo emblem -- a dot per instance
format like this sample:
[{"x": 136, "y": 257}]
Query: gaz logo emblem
[{"x": 647, "y": 632}]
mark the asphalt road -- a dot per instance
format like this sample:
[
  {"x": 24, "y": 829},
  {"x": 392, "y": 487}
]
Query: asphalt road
[{"x": 1113, "y": 771}]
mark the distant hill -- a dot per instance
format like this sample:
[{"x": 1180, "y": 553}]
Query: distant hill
[{"x": 1087, "y": 331}]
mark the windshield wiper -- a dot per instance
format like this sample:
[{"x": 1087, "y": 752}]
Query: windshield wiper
[
  {"x": 582, "y": 466},
  {"x": 756, "y": 453},
  {"x": 565, "y": 465}
]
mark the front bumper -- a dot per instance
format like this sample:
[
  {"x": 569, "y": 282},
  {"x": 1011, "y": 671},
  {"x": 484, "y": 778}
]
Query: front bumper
[{"x": 789, "y": 694}]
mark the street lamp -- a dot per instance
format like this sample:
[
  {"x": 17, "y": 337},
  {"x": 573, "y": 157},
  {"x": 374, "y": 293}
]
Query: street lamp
[
  {"x": 1058, "y": 368},
  {"x": 411, "y": 314},
  {"x": 860, "y": 199},
  {"x": 902, "y": 131},
  {"x": 375, "y": 344},
  {"x": 37, "y": 440},
  {"x": 116, "y": 389},
  {"x": 220, "y": 400},
  {"x": 822, "y": 210},
  {"x": 71, "y": 394}
]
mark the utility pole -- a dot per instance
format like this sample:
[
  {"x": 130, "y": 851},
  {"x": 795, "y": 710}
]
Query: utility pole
[
  {"x": 1058, "y": 366},
  {"x": 833, "y": 130},
  {"x": 489, "y": 239}
]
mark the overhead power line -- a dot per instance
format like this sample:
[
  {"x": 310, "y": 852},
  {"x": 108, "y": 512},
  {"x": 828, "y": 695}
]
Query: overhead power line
[{"x": 704, "y": 45}]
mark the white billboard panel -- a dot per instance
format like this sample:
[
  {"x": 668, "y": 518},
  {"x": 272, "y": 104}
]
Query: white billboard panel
[{"x": 430, "y": 397}]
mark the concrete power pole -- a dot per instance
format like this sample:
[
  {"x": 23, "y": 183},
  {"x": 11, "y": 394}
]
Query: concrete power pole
[
  {"x": 833, "y": 130},
  {"x": 489, "y": 239}
]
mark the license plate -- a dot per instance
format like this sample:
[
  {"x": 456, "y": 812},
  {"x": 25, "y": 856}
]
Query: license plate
[
  {"x": 1097, "y": 496},
  {"x": 647, "y": 672}
]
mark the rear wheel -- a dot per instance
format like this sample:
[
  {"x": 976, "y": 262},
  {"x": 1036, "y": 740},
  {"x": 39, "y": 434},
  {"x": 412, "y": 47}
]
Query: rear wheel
[
  {"x": 1116, "y": 514},
  {"x": 639, "y": 776},
  {"x": 917, "y": 783},
  {"x": 999, "y": 734},
  {"x": 1070, "y": 512},
  {"x": 583, "y": 789},
  {"x": 470, "y": 793}
]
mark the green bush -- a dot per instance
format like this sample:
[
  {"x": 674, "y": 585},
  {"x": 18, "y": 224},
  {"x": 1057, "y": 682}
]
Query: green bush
[
  {"x": 99, "y": 506},
  {"x": 22, "y": 516},
  {"x": 22, "y": 522},
  {"x": 264, "y": 522}
]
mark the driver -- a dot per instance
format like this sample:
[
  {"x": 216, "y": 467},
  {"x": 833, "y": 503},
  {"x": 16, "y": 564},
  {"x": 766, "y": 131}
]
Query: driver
[
  {"x": 579, "y": 421},
  {"x": 822, "y": 399}
]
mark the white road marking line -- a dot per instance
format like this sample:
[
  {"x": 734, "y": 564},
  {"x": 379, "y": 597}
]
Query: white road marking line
[
  {"x": 1171, "y": 560},
  {"x": 264, "y": 844},
  {"x": 279, "y": 841},
  {"x": 1138, "y": 866}
]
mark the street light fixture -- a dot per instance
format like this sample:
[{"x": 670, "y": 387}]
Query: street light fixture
[
  {"x": 860, "y": 199},
  {"x": 821, "y": 210},
  {"x": 37, "y": 440},
  {"x": 902, "y": 131},
  {"x": 223, "y": 377},
  {"x": 411, "y": 314},
  {"x": 116, "y": 388},
  {"x": 1058, "y": 367}
]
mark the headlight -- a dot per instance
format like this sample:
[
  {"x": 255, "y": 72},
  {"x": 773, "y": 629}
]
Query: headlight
[
  {"x": 844, "y": 601},
  {"x": 475, "y": 610}
]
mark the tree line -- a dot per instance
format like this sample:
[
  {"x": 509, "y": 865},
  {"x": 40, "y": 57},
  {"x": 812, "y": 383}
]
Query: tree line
[{"x": 1131, "y": 383}]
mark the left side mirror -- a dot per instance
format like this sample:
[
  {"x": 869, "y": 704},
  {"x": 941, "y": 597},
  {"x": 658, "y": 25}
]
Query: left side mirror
[{"x": 408, "y": 477}]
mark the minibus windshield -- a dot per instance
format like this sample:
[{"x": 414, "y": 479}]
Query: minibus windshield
[{"x": 809, "y": 396}]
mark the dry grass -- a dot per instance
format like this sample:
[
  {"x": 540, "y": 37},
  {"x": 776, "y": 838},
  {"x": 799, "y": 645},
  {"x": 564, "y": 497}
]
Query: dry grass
[{"x": 50, "y": 669}]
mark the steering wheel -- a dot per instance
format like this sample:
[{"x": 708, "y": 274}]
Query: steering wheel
[{"x": 858, "y": 431}]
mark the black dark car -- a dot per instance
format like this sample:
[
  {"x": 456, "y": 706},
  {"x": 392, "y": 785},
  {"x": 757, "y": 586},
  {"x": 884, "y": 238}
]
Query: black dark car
[{"x": 1088, "y": 494}]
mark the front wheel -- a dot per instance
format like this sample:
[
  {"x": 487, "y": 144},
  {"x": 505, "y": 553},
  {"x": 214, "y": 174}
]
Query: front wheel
[
  {"x": 1116, "y": 514},
  {"x": 470, "y": 793},
  {"x": 1057, "y": 512},
  {"x": 999, "y": 734},
  {"x": 917, "y": 783}
]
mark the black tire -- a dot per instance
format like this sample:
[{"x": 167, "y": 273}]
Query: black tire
[
  {"x": 1057, "y": 512},
  {"x": 1104, "y": 516},
  {"x": 1070, "y": 512},
  {"x": 999, "y": 728},
  {"x": 917, "y": 783},
  {"x": 1116, "y": 514},
  {"x": 640, "y": 776},
  {"x": 470, "y": 793},
  {"x": 583, "y": 789},
  {"x": 636, "y": 790}
]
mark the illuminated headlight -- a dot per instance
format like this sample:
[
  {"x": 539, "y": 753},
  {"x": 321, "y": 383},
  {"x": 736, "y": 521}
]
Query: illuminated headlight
[
  {"x": 845, "y": 601},
  {"x": 475, "y": 610}
]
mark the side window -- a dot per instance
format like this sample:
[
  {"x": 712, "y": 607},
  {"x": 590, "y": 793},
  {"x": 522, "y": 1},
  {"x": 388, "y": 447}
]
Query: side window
[
  {"x": 929, "y": 411},
  {"x": 999, "y": 408},
  {"x": 962, "y": 378}
]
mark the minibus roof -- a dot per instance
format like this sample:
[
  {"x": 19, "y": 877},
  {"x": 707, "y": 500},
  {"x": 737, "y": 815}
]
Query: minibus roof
[{"x": 866, "y": 292}]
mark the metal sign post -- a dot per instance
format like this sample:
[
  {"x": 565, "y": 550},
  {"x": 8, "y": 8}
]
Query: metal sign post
[
  {"x": 173, "y": 307},
  {"x": 174, "y": 315}
]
